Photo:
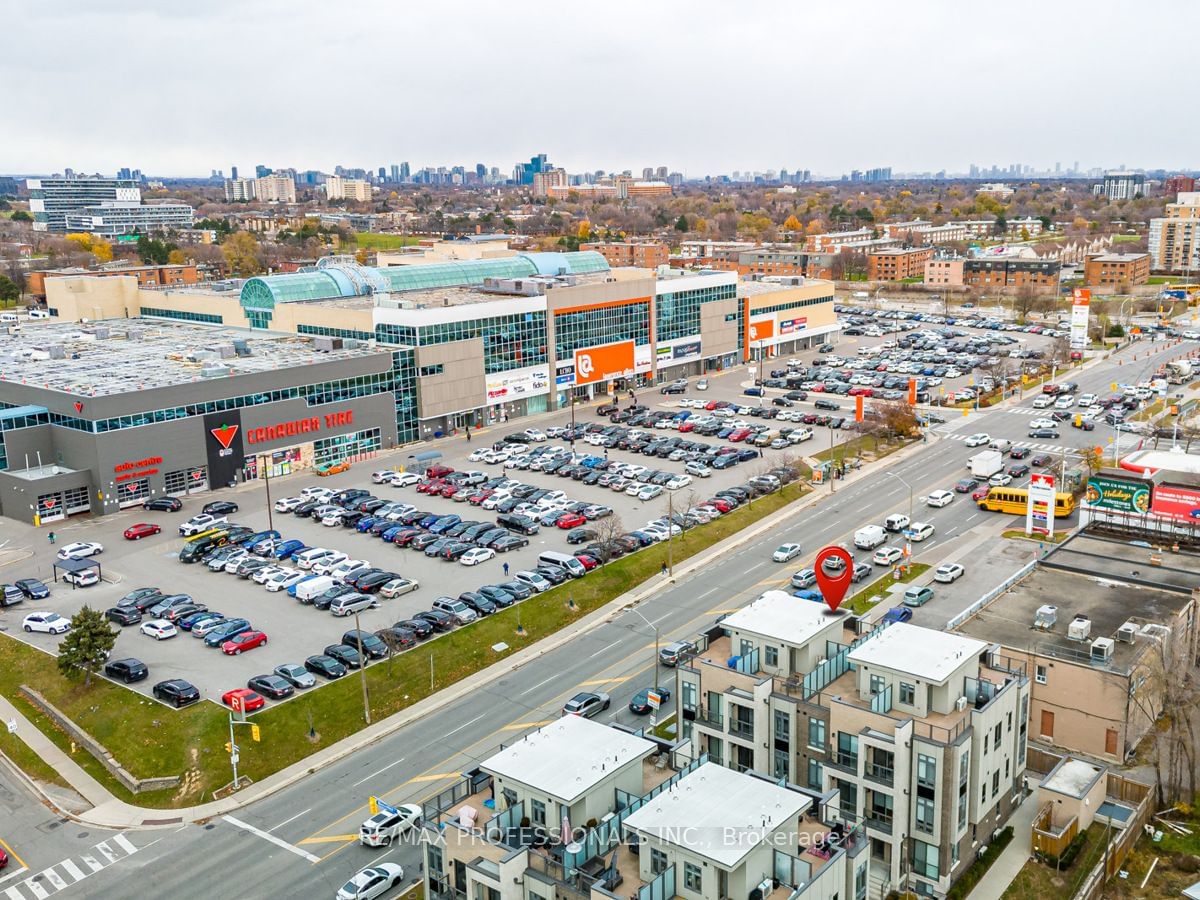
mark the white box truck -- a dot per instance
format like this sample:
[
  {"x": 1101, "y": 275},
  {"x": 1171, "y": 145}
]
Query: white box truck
[
  {"x": 870, "y": 537},
  {"x": 986, "y": 464}
]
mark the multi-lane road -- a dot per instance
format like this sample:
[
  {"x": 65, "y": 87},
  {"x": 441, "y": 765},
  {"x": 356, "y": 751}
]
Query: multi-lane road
[{"x": 301, "y": 840}]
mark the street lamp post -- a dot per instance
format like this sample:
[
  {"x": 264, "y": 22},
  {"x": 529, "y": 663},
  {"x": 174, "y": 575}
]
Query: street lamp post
[
  {"x": 362, "y": 669},
  {"x": 655, "y": 627},
  {"x": 910, "y": 492}
]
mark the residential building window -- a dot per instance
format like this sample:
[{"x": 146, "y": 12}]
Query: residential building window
[
  {"x": 1009, "y": 728},
  {"x": 714, "y": 750},
  {"x": 658, "y": 861},
  {"x": 814, "y": 774},
  {"x": 1040, "y": 674},
  {"x": 964, "y": 775},
  {"x": 908, "y": 694},
  {"x": 878, "y": 683},
  {"x": 426, "y": 371},
  {"x": 780, "y": 768},
  {"x": 926, "y": 769},
  {"x": 537, "y": 812},
  {"x": 847, "y": 749},
  {"x": 995, "y": 783},
  {"x": 925, "y": 859},
  {"x": 783, "y": 730},
  {"x": 816, "y": 734},
  {"x": 996, "y": 735},
  {"x": 771, "y": 655},
  {"x": 692, "y": 877},
  {"x": 925, "y": 814}
]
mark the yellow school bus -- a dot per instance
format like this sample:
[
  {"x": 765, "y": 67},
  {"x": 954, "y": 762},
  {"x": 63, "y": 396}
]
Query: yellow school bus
[{"x": 1015, "y": 501}]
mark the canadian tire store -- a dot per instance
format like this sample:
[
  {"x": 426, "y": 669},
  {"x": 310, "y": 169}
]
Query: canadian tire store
[{"x": 98, "y": 455}]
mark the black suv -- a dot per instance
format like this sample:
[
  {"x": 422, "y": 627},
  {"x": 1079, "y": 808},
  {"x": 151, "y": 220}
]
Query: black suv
[
  {"x": 176, "y": 692},
  {"x": 126, "y": 670}
]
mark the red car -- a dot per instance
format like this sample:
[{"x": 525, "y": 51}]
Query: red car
[
  {"x": 738, "y": 435},
  {"x": 249, "y": 699},
  {"x": 723, "y": 505},
  {"x": 3, "y": 858},
  {"x": 686, "y": 427},
  {"x": 450, "y": 489},
  {"x": 431, "y": 486},
  {"x": 141, "y": 530},
  {"x": 586, "y": 561},
  {"x": 477, "y": 499},
  {"x": 247, "y": 640},
  {"x": 980, "y": 494},
  {"x": 438, "y": 471},
  {"x": 570, "y": 520},
  {"x": 710, "y": 405}
]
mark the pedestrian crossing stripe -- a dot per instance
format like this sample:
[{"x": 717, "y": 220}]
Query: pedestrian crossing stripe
[
  {"x": 63, "y": 875},
  {"x": 1045, "y": 448}
]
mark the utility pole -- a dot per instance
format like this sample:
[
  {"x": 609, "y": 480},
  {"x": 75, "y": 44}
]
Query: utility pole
[
  {"x": 362, "y": 670},
  {"x": 266, "y": 458},
  {"x": 655, "y": 627},
  {"x": 832, "y": 464}
]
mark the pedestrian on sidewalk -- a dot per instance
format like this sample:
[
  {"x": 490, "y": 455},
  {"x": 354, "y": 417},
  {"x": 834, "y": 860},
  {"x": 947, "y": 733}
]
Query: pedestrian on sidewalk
[
  {"x": 664, "y": 568},
  {"x": 468, "y": 434},
  {"x": 51, "y": 536}
]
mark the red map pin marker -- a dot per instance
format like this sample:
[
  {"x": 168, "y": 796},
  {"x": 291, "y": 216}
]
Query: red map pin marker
[{"x": 833, "y": 587}]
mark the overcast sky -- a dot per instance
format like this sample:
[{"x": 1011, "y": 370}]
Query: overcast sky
[{"x": 703, "y": 86}]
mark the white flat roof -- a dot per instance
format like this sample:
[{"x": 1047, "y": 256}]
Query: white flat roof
[
  {"x": 568, "y": 757},
  {"x": 779, "y": 615},
  {"x": 1073, "y": 777},
  {"x": 929, "y": 655},
  {"x": 719, "y": 813}
]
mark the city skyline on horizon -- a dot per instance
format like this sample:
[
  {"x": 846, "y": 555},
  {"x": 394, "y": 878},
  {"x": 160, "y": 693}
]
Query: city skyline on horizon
[{"x": 695, "y": 91}]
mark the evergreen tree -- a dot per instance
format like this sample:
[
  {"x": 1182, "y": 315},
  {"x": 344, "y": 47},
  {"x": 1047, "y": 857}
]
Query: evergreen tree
[{"x": 86, "y": 645}]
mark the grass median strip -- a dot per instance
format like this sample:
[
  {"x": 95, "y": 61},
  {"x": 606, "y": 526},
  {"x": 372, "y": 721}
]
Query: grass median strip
[
  {"x": 870, "y": 595},
  {"x": 151, "y": 740}
]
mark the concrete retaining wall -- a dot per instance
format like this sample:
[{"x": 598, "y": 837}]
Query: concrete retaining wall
[{"x": 94, "y": 747}]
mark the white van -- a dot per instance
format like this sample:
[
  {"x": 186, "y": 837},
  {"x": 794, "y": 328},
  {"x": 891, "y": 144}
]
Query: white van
[
  {"x": 310, "y": 558},
  {"x": 307, "y": 590},
  {"x": 1004, "y": 446},
  {"x": 348, "y": 604},
  {"x": 569, "y": 564},
  {"x": 9, "y": 318},
  {"x": 870, "y": 537}
]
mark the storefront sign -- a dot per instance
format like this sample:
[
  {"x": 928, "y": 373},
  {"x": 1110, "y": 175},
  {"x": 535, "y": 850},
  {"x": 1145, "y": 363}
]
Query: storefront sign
[
  {"x": 760, "y": 331},
  {"x": 789, "y": 326},
  {"x": 223, "y": 449},
  {"x": 1117, "y": 496},
  {"x": 503, "y": 387},
  {"x": 1180, "y": 504},
  {"x": 1039, "y": 514},
  {"x": 298, "y": 427},
  {"x": 604, "y": 363},
  {"x": 137, "y": 468},
  {"x": 1081, "y": 299},
  {"x": 683, "y": 351}
]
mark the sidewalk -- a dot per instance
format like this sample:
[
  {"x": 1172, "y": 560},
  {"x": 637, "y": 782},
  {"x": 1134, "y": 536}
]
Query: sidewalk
[
  {"x": 1014, "y": 856},
  {"x": 84, "y": 784}
]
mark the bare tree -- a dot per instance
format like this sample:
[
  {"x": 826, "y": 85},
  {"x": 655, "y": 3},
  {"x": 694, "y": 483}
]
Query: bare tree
[{"x": 1167, "y": 697}]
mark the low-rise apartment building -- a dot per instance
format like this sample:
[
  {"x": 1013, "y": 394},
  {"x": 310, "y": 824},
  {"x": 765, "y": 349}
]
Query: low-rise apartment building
[
  {"x": 945, "y": 270},
  {"x": 1011, "y": 272},
  {"x": 578, "y": 810},
  {"x": 1116, "y": 268},
  {"x": 147, "y": 276},
  {"x": 642, "y": 254},
  {"x": 832, "y": 241},
  {"x": 1097, "y": 625},
  {"x": 921, "y": 734},
  {"x": 897, "y": 263},
  {"x": 773, "y": 259}
]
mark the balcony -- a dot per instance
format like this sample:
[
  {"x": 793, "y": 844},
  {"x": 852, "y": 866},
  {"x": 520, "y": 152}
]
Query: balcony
[
  {"x": 847, "y": 762},
  {"x": 882, "y": 774},
  {"x": 879, "y": 819},
  {"x": 742, "y": 729},
  {"x": 710, "y": 719}
]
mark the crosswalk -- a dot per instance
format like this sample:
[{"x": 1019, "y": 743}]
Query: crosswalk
[
  {"x": 71, "y": 871},
  {"x": 1045, "y": 448}
]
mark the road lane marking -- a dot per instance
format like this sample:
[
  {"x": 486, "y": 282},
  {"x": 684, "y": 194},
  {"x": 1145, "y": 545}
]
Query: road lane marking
[
  {"x": 34, "y": 888},
  {"x": 438, "y": 776},
  {"x": 604, "y": 649},
  {"x": 722, "y": 612},
  {"x": 330, "y": 839},
  {"x": 107, "y": 852},
  {"x": 465, "y": 724},
  {"x": 600, "y": 681},
  {"x": 292, "y": 819},
  {"x": 518, "y": 726},
  {"x": 538, "y": 685},
  {"x": 379, "y": 772},
  {"x": 270, "y": 838}
]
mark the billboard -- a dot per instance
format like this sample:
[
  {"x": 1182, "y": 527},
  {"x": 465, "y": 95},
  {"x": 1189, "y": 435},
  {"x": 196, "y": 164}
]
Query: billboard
[
  {"x": 761, "y": 331},
  {"x": 604, "y": 363},
  {"x": 789, "y": 326},
  {"x": 1175, "y": 502},
  {"x": 1117, "y": 495},
  {"x": 1081, "y": 299},
  {"x": 683, "y": 351},
  {"x": 503, "y": 387}
]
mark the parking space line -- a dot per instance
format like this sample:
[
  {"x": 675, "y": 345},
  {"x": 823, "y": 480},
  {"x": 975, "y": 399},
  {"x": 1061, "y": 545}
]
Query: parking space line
[
  {"x": 13, "y": 853},
  {"x": 278, "y": 842}
]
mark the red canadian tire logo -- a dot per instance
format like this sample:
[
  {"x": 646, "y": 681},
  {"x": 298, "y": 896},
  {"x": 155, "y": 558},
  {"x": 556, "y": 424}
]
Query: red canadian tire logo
[{"x": 225, "y": 435}]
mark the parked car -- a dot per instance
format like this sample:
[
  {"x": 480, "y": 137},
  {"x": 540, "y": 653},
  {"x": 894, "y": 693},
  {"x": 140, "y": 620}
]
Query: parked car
[
  {"x": 127, "y": 670},
  {"x": 274, "y": 686},
  {"x": 249, "y": 700},
  {"x": 141, "y": 530},
  {"x": 176, "y": 691},
  {"x": 640, "y": 704},
  {"x": 325, "y": 666}
]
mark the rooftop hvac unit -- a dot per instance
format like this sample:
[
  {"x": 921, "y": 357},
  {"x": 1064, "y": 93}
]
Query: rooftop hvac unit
[
  {"x": 201, "y": 356},
  {"x": 1080, "y": 628},
  {"x": 960, "y": 704},
  {"x": 226, "y": 351},
  {"x": 57, "y": 351},
  {"x": 100, "y": 332},
  {"x": 327, "y": 344},
  {"x": 1045, "y": 617},
  {"x": 1102, "y": 649},
  {"x": 214, "y": 371},
  {"x": 351, "y": 344},
  {"x": 241, "y": 348},
  {"x": 1127, "y": 632}
]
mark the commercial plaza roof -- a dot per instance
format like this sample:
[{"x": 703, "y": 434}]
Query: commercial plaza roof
[
  {"x": 128, "y": 355},
  {"x": 348, "y": 280}
]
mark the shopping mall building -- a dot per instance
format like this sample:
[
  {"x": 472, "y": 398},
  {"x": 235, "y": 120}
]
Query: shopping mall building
[{"x": 447, "y": 345}]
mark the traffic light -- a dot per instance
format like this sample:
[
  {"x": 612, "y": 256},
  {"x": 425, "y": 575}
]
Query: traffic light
[
  {"x": 255, "y": 732},
  {"x": 229, "y": 747}
]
